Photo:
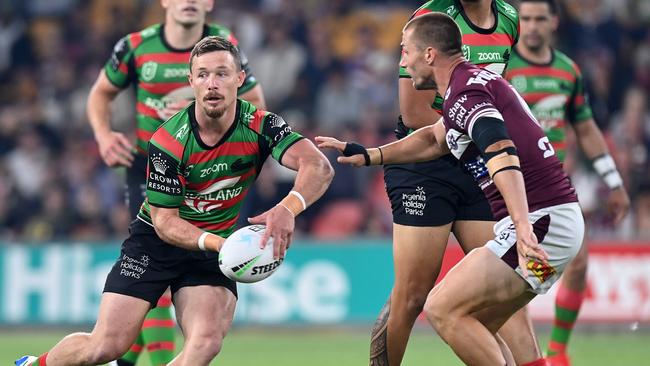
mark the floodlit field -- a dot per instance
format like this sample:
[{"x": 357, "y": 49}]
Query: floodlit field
[{"x": 349, "y": 347}]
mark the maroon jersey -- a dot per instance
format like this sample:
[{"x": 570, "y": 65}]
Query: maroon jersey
[{"x": 474, "y": 93}]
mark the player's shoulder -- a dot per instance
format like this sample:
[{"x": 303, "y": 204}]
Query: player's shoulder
[
  {"x": 443, "y": 6},
  {"x": 563, "y": 61},
  {"x": 507, "y": 12},
  {"x": 215, "y": 29},
  {"x": 137, "y": 39},
  {"x": 174, "y": 133},
  {"x": 251, "y": 117},
  {"x": 469, "y": 80}
]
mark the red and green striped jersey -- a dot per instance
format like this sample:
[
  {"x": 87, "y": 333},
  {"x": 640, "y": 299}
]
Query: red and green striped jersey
[
  {"x": 555, "y": 93},
  {"x": 487, "y": 48},
  {"x": 208, "y": 183},
  {"x": 159, "y": 74}
]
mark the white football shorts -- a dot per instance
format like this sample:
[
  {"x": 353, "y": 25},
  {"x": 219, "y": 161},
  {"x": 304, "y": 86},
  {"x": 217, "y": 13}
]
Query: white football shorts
[{"x": 559, "y": 229}]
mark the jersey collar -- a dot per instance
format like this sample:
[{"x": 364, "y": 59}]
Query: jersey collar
[
  {"x": 538, "y": 64},
  {"x": 475, "y": 28},
  {"x": 197, "y": 135},
  {"x": 206, "y": 32}
]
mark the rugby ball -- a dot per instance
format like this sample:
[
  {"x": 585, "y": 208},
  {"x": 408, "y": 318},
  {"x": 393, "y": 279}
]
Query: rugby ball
[{"x": 241, "y": 258}]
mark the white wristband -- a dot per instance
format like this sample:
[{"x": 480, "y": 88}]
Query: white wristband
[
  {"x": 202, "y": 240},
  {"x": 606, "y": 168},
  {"x": 301, "y": 198},
  {"x": 613, "y": 180}
]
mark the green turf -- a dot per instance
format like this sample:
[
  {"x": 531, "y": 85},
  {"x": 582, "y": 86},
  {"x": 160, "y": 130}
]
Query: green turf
[{"x": 341, "y": 348}]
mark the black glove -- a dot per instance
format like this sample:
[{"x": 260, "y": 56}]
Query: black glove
[
  {"x": 353, "y": 148},
  {"x": 401, "y": 131}
]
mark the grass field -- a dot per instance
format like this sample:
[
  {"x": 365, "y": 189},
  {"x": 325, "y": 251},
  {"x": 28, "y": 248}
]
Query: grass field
[{"x": 342, "y": 348}]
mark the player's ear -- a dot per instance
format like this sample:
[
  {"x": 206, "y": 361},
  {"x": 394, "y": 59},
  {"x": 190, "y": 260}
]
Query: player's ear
[
  {"x": 164, "y": 3},
  {"x": 209, "y": 5},
  {"x": 555, "y": 22},
  {"x": 241, "y": 76},
  {"x": 430, "y": 55}
]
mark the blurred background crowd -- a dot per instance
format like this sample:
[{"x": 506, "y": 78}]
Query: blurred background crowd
[{"x": 328, "y": 67}]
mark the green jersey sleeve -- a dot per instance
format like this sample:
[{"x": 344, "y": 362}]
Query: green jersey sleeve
[
  {"x": 118, "y": 68},
  {"x": 165, "y": 183},
  {"x": 578, "y": 108},
  {"x": 278, "y": 135}
]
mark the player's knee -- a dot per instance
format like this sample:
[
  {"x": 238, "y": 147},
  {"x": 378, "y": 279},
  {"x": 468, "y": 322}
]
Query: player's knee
[
  {"x": 205, "y": 346},
  {"x": 411, "y": 302},
  {"x": 106, "y": 350},
  {"x": 410, "y": 296},
  {"x": 437, "y": 313}
]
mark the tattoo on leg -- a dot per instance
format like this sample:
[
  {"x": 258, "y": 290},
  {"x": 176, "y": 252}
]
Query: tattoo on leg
[{"x": 378, "y": 344}]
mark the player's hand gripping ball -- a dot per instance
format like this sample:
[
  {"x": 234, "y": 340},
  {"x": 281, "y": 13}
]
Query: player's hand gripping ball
[{"x": 241, "y": 258}]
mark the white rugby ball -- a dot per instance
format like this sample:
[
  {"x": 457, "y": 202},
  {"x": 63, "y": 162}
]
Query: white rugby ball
[{"x": 241, "y": 258}]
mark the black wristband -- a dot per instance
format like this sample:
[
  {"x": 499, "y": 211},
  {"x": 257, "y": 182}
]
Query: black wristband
[{"x": 353, "y": 148}]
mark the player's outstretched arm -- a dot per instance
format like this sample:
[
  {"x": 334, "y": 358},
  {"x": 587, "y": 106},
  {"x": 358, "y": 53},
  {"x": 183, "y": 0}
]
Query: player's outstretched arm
[
  {"x": 174, "y": 230},
  {"x": 425, "y": 144},
  {"x": 114, "y": 148},
  {"x": 592, "y": 143},
  {"x": 314, "y": 176}
]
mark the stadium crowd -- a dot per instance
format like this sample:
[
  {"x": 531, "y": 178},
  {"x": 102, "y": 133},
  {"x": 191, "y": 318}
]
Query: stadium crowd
[{"x": 328, "y": 67}]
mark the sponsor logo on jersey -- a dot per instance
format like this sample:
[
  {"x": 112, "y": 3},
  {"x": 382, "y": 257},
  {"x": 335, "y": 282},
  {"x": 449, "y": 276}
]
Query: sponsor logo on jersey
[
  {"x": 546, "y": 84},
  {"x": 450, "y": 10},
  {"x": 188, "y": 170},
  {"x": 482, "y": 77},
  {"x": 458, "y": 142},
  {"x": 509, "y": 9},
  {"x": 239, "y": 165},
  {"x": 458, "y": 111},
  {"x": 489, "y": 56},
  {"x": 215, "y": 168},
  {"x": 276, "y": 128},
  {"x": 212, "y": 197},
  {"x": 466, "y": 51},
  {"x": 520, "y": 83},
  {"x": 148, "y": 71},
  {"x": 159, "y": 163},
  {"x": 174, "y": 73},
  {"x": 164, "y": 184},
  {"x": 120, "y": 50},
  {"x": 549, "y": 110},
  {"x": 182, "y": 132}
]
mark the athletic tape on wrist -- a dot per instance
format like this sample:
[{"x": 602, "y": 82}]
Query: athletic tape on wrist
[
  {"x": 202, "y": 240},
  {"x": 605, "y": 166},
  {"x": 301, "y": 198},
  {"x": 353, "y": 148},
  {"x": 294, "y": 202}
]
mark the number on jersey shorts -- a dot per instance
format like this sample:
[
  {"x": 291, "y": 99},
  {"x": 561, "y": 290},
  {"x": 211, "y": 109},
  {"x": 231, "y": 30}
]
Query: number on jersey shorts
[{"x": 559, "y": 230}]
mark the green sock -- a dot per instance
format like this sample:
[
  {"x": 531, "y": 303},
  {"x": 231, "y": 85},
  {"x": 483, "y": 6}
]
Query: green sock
[
  {"x": 158, "y": 333},
  {"x": 131, "y": 356},
  {"x": 567, "y": 307},
  {"x": 40, "y": 361}
]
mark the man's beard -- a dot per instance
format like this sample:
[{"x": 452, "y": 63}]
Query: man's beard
[
  {"x": 427, "y": 83},
  {"x": 534, "y": 46},
  {"x": 215, "y": 112}
]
